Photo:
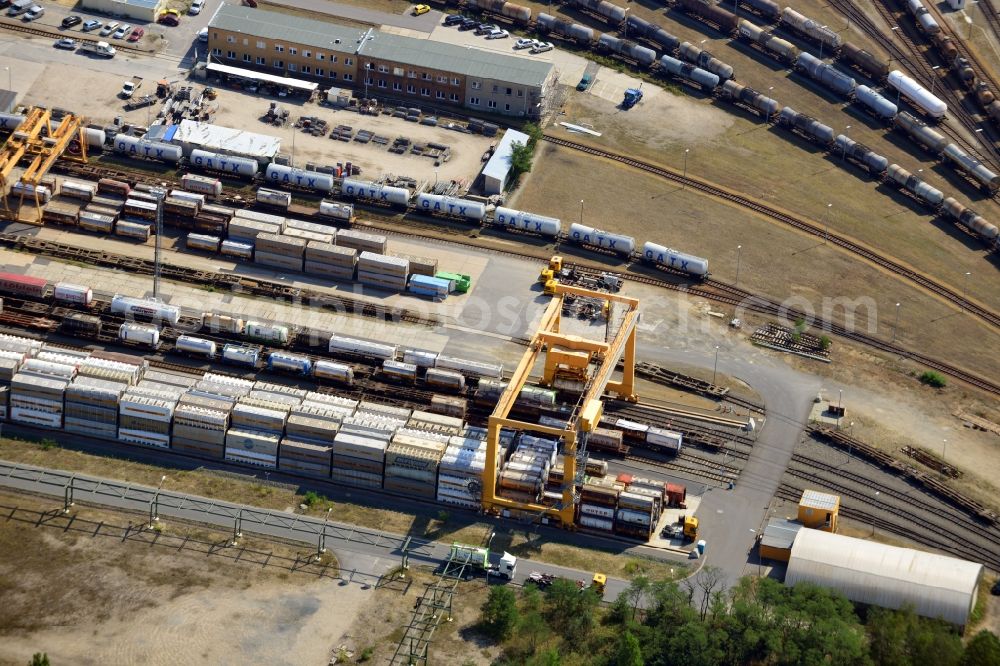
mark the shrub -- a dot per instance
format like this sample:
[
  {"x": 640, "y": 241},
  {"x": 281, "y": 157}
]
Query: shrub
[
  {"x": 935, "y": 379},
  {"x": 312, "y": 498}
]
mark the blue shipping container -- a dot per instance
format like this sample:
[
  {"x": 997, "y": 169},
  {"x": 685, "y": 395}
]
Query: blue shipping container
[{"x": 432, "y": 283}]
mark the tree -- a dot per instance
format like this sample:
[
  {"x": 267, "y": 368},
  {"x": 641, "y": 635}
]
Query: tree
[
  {"x": 534, "y": 133},
  {"x": 39, "y": 659},
  {"x": 520, "y": 159},
  {"x": 570, "y": 610},
  {"x": 499, "y": 613},
  {"x": 547, "y": 658},
  {"x": 703, "y": 587},
  {"x": 982, "y": 650},
  {"x": 627, "y": 651},
  {"x": 901, "y": 638}
]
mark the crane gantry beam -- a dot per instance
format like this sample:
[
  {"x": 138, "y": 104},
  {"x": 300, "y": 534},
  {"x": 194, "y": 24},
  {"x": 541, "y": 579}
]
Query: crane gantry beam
[{"x": 588, "y": 411}]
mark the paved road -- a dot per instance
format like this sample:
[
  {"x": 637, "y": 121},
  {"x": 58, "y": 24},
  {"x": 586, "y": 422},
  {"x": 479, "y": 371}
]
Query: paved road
[{"x": 369, "y": 551}]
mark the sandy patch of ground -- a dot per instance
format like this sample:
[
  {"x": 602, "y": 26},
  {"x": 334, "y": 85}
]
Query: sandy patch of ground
[{"x": 86, "y": 596}]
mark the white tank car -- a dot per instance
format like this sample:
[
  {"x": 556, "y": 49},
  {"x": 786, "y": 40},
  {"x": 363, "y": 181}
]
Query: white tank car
[
  {"x": 916, "y": 93},
  {"x": 279, "y": 174},
  {"x": 473, "y": 368},
  {"x": 240, "y": 355},
  {"x": 385, "y": 194},
  {"x": 237, "y": 249},
  {"x": 336, "y": 210},
  {"x": 345, "y": 345},
  {"x": 73, "y": 293},
  {"x": 273, "y": 198},
  {"x": 437, "y": 204},
  {"x": 525, "y": 221},
  {"x": 153, "y": 150},
  {"x": 420, "y": 358},
  {"x": 399, "y": 370},
  {"x": 336, "y": 371},
  {"x": 256, "y": 330},
  {"x": 202, "y": 185},
  {"x": 217, "y": 323},
  {"x": 623, "y": 245},
  {"x": 140, "y": 334},
  {"x": 678, "y": 261},
  {"x": 449, "y": 379},
  {"x": 145, "y": 307},
  {"x": 238, "y": 166},
  {"x": 198, "y": 346}
]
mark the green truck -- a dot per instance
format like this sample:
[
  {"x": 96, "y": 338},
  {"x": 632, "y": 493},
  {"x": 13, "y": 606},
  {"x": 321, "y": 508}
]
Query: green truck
[{"x": 462, "y": 282}]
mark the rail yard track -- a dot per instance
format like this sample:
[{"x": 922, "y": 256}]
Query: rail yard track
[
  {"x": 710, "y": 289},
  {"x": 770, "y": 212},
  {"x": 988, "y": 8}
]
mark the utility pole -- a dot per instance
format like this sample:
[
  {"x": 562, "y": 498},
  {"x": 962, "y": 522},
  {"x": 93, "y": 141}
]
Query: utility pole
[{"x": 160, "y": 193}]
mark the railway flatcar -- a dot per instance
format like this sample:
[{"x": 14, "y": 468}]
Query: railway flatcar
[{"x": 84, "y": 325}]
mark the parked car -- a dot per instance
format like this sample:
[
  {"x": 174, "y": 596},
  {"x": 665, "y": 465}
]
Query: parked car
[
  {"x": 468, "y": 24},
  {"x": 136, "y": 34},
  {"x": 453, "y": 19},
  {"x": 90, "y": 25},
  {"x": 486, "y": 28},
  {"x": 203, "y": 34},
  {"x": 584, "y": 82},
  {"x": 196, "y": 7},
  {"x": 420, "y": 9},
  {"x": 498, "y": 34},
  {"x": 66, "y": 43},
  {"x": 109, "y": 28},
  {"x": 70, "y": 21},
  {"x": 542, "y": 47},
  {"x": 122, "y": 31},
  {"x": 34, "y": 12},
  {"x": 526, "y": 43},
  {"x": 168, "y": 19}
]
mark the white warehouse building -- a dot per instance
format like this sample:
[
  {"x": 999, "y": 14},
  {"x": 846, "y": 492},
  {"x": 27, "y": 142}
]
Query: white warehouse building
[
  {"x": 497, "y": 169},
  {"x": 936, "y": 586}
]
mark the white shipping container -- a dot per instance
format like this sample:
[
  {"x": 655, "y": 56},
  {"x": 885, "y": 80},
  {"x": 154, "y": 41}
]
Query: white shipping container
[
  {"x": 598, "y": 510},
  {"x": 595, "y": 523}
]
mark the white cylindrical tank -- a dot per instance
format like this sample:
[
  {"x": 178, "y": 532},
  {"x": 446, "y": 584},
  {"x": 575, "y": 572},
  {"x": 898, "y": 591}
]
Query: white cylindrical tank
[
  {"x": 678, "y": 261},
  {"x": 310, "y": 180},
  {"x": 420, "y": 358},
  {"x": 142, "y": 334},
  {"x": 441, "y": 205},
  {"x": 336, "y": 210},
  {"x": 274, "y": 197},
  {"x": 203, "y": 242},
  {"x": 153, "y": 150},
  {"x": 73, "y": 293},
  {"x": 343, "y": 344},
  {"x": 530, "y": 222},
  {"x": 238, "y": 166},
  {"x": 145, "y": 307},
  {"x": 192, "y": 345},
  {"x": 917, "y": 94},
  {"x": 267, "y": 332},
  {"x": 623, "y": 245},
  {"x": 94, "y": 137},
  {"x": 330, "y": 370},
  {"x": 240, "y": 354},
  {"x": 878, "y": 104},
  {"x": 386, "y": 194}
]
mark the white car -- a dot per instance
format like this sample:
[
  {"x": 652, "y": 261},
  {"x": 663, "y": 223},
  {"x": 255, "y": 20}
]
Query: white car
[
  {"x": 34, "y": 12},
  {"x": 122, "y": 31},
  {"x": 203, "y": 34},
  {"x": 498, "y": 34},
  {"x": 526, "y": 43},
  {"x": 196, "y": 7},
  {"x": 109, "y": 28},
  {"x": 542, "y": 47}
]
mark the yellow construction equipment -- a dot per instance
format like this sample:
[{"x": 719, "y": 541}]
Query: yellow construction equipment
[
  {"x": 35, "y": 137},
  {"x": 550, "y": 286},
  {"x": 587, "y": 413},
  {"x": 551, "y": 271},
  {"x": 599, "y": 582}
]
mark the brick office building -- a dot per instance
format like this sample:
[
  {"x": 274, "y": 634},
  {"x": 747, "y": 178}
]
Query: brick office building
[{"x": 379, "y": 64}]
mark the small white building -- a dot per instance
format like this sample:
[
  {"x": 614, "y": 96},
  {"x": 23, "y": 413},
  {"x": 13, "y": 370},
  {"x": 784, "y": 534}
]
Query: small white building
[
  {"x": 936, "y": 586},
  {"x": 135, "y": 10},
  {"x": 497, "y": 169},
  {"x": 225, "y": 140}
]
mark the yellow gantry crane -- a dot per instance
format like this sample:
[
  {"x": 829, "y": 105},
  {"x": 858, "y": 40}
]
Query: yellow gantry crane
[
  {"x": 36, "y": 138},
  {"x": 572, "y": 354}
]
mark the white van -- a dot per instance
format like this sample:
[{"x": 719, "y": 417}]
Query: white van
[{"x": 19, "y": 7}]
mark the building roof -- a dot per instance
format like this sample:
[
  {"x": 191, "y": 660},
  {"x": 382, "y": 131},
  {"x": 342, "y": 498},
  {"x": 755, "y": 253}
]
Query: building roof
[
  {"x": 286, "y": 81},
  {"x": 873, "y": 573},
  {"x": 149, "y": 4},
  {"x": 780, "y": 533},
  {"x": 226, "y": 139},
  {"x": 499, "y": 164},
  {"x": 293, "y": 29},
  {"x": 814, "y": 499},
  {"x": 467, "y": 60}
]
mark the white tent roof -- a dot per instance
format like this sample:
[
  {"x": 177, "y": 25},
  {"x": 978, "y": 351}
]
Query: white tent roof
[
  {"x": 499, "y": 164},
  {"x": 872, "y": 573}
]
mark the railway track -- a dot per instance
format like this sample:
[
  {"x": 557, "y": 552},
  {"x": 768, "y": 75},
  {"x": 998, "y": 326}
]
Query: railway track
[
  {"x": 918, "y": 499},
  {"x": 992, "y": 19},
  {"x": 921, "y": 63},
  {"x": 694, "y": 432},
  {"x": 700, "y": 471},
  {"x": 711, "y": 289},
  {"x": 896, "y": 268}
]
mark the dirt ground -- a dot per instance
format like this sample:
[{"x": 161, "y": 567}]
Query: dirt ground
[
  {"x": 774, "y": 260},
  {"x": 428, "y": 521},
  {"x": 91, "y": 591}
]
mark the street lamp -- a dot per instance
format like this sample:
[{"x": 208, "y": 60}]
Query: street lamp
[
  {"x": 934, "y": 76},
  {"x": 821, "y": 45},
  {"x": 826, "y": 233},
  {"x": 10, "y": 85},
  {"x": 965, "y": 290},
  {"x": 844, "y": 154},
  {"x": 873, "y": 513},
  {"x": 944, "y": 449},
  {"x": 154, "y": 505},
  {"x": 685, "y": 165},
  {"x": 715, "y": 370},
  {"x": 581, "y": 212},
  {"x": 739, "y": 252},
  {"x": 895, "y": 323}
]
